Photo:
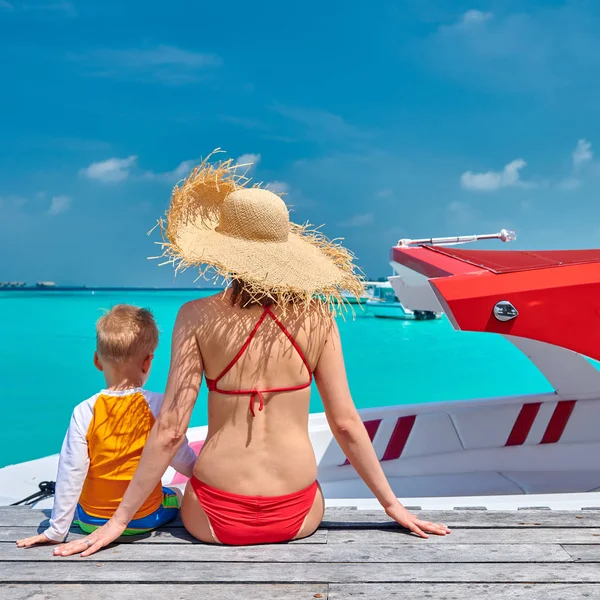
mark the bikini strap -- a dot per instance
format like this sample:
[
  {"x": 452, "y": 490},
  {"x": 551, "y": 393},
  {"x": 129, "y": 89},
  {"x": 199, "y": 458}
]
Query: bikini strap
[
  {"x": 292, "y": 340},
  {"x": 255, "y": 393},
  {"x": 243, "y": 348}
]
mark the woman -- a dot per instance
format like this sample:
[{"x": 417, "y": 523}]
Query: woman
[{"x": 259, "y": 345}]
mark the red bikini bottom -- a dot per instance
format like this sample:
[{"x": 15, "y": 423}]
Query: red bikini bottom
[{"x": 239, "y": 520}]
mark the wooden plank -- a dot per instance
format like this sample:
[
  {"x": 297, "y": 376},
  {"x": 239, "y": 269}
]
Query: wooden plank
[
  {"x": 164, "y": 535},
  {"x": 325, "y": 553},
  {"x": 381, "y": 591},
  {"x": 469, "y": 519},
  {"x": 393, "y": 535},
  {"x": 584, "y": 553},
  {"x": 97, "y": 571},
  {"x": 16, "y": 516},
  {"x": 458, "y": 591},
  {"x": 161, "y": 536},
  {"x": 384, "y": 535},
  {"x": 191, "y": 591}
]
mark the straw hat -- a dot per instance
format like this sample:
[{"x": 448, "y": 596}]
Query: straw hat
[{"x": 218, "y": 222}]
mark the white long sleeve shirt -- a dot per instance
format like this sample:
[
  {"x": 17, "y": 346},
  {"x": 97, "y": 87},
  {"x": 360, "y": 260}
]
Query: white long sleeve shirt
[{"x": 101, "y": 451}]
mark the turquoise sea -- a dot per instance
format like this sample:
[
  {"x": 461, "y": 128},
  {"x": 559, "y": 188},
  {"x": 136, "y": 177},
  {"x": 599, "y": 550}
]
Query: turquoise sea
[{"x": 47, "y": 345}]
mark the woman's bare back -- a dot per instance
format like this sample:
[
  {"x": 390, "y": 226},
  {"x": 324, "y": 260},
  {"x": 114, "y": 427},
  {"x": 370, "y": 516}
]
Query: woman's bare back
[{"x": 269, "y": 454}]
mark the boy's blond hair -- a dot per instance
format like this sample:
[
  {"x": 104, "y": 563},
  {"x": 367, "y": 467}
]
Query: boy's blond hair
[{"x": 125, "y": 332}]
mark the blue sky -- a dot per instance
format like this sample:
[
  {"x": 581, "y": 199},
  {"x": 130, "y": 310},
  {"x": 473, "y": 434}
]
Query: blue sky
[{"x": 381, "y": 120}]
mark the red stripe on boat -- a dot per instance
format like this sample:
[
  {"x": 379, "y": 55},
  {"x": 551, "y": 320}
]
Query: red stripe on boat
[
  {"x": 399, "y": 438},
  {"x": 523, "y": 424},
  {"x": 371, "y": 427},
  {"x": 558, "y": 421}
]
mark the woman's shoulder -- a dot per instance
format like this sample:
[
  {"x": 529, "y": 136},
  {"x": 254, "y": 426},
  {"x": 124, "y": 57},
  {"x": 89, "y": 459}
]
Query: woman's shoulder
[
  {"x": 313, "y": 320},
  {"x": 201, "y": 308}
]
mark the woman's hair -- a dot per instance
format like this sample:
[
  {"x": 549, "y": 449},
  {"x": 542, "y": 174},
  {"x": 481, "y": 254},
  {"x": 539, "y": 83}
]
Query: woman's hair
[{"x": 240, "y": 296}]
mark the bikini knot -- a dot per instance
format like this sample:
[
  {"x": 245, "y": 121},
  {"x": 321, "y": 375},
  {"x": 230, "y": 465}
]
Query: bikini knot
[{"x": 253, "y": 396}]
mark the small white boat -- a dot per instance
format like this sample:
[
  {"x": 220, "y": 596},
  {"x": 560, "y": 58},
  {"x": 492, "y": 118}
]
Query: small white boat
[
  {"x": 367, "y": 294},
  {"x": 385, "y": 304}
]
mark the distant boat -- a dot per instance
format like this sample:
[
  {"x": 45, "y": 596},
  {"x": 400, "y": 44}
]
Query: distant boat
[
  {"x": 12, "y": 284},
  {"x": 366, "y": 295},
  {"x": 45, "y": 284}
]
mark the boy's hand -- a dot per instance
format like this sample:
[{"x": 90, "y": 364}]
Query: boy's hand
[{"x": 29, "y": 542}]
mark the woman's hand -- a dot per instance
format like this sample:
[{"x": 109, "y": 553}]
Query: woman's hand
[
  {"x": 412, "y": 522},
  {"x": 103, "y": 536},
  {"x": 35, "y": 540}
]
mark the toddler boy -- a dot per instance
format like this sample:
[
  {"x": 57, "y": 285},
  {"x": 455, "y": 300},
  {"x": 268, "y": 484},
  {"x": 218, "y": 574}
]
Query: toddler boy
[{"x": 108, "y": 432}]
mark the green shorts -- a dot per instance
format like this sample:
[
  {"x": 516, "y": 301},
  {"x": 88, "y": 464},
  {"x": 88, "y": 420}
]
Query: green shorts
[{"x": 162, "y": 515}]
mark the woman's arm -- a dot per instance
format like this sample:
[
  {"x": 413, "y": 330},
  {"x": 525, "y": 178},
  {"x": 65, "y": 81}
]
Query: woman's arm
[
  {"x": 185, "y": 459},
  {"x": 350, "y": 433},
  {"x": 167, "y": 435}
]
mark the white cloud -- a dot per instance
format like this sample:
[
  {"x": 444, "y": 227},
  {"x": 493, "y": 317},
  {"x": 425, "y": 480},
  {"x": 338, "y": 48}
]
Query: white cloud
[
  {"x": 6, "y": 5},
  {"x": 278, "y": 187},
  {"x": 164, "y": 64},
  {"x": 510, "y": 176},
  {"x": 468, "y": 23},
  {"x": 183, "y": 169},
  {"x": 582, "y": 154},
  {"x": 385, "y": 193},
  {"x": 473, "y": 17},
  {"x": 358, "y": 220},
  {"x": 59, "y": 204},
  {"x": 177, "y": 174},
  {"x": 494, "y": 180},
  {"x": 247, "y": 163},
  {"x": 111, "y": 170}
]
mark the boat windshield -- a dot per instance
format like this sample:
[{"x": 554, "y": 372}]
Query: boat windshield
[{"x": 385, "y": 294}]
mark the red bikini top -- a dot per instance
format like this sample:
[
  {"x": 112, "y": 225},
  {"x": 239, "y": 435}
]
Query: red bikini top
[{"x": 254, "y": 393}]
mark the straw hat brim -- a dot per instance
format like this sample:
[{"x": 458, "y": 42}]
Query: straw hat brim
[
  {"x": 296, "y": 264},
  {"x": 219, "y": 222}
]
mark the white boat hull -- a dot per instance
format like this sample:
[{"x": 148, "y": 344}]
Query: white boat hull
[
  {"x": 449, "y": 449},
  {"x": 389, "y": 310},
  {"x": 413, "y": 290}
]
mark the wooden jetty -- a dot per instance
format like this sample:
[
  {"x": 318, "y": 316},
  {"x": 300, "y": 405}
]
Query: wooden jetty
[{"x": 525, "y": 554}]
